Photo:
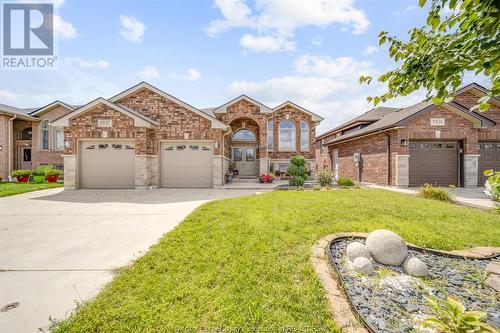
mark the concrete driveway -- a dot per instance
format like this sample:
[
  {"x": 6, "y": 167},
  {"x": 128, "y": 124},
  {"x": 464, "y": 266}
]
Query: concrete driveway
[{"x": 58, "y": 248}]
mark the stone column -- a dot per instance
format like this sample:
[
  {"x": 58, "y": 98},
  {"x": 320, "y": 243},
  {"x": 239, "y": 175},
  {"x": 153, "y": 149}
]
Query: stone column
[
  {"x": 218, "y": 170},
  {"x": 70, "y": 172},
  {"x": 471, "y": 169},
  {"x": 402, "y": 170},
  {"x": 263, "y": 166},
  {"x": 146, "y": 172},
  {"x": 312, "y": 167}
]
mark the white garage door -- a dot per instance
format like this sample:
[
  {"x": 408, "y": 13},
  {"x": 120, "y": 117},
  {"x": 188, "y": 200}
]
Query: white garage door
[
  {"x": 186, "y": 164},
  {"x": 107, "y": 164}
]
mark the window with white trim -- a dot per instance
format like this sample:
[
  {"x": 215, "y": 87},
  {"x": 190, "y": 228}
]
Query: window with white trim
[
  {"x": 244, "y": 135},
  {"x": 44, "y": 135},
  {"x": 59, "y": 138},
  {"x": 304, "y": 136},
  {"x": 286, "y": 136},
  {"x": 270, "y": 135}
]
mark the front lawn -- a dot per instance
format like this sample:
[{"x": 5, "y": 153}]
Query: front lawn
[
  {"x": 7, "y": 189},
  {"x": 242, "y": 265}
]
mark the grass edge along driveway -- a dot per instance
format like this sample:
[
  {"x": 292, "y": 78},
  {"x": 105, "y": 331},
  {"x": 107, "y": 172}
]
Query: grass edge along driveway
[
  {"x": 8, "y": 189},
  {"x": 242, "y": 265}
]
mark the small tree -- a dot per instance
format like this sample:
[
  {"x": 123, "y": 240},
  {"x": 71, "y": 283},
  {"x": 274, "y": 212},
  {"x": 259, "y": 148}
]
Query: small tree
[
  {"x": 324, "y": 177},
  {"x": 297, "y": 170}
]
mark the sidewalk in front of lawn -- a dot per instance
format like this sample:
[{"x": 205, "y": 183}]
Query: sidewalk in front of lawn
[{"x": 471, "y": 197}]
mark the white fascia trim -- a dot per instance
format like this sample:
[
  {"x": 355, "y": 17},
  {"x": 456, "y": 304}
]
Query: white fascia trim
[
  {"x": 223, "y": 108},
  {"x": 314, "y": 117},
  {"x": 144, "y": 85},
  {"x": 50, "y": 106},
  {"x": 138, "y": 121}
]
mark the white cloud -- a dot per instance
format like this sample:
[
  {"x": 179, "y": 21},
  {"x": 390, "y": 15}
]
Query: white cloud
[
  {"x": 190, "y": 75},
  {"x": 340, "y": 68},
  {"x": 149, "y": 73},
  {"x": 63, "y": 29},
  {"x": 132, "y": 29},
  {"x": 87, "y": 63},
  {"x": 279, "y": 18},
  {"x": 6, "y": 94},
  {"x": 370, "y": 49},
  {"x": 268, "y": 44}
]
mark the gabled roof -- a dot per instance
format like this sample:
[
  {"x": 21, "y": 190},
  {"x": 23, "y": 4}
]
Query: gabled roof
[
  {"x": 223, "y": 107},
  {"x": 316, "y": 118},
  {"x": 144, "y": 85},
  {"x": 368, "y": 117},
  {"x": 19, "y": 113},
  {"x": 476, "y": 88},
  {"x": 399, "y": 117},
  {"x": 50, "y": 106},
  {"x": 140, "y": 120}
]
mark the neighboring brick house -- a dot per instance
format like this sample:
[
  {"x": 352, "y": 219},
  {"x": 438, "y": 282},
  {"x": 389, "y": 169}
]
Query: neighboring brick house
[
  {"x": 144, "y": 137},
  {"x": 449, "y": 144},
  {"x": 27, "y": 138}
]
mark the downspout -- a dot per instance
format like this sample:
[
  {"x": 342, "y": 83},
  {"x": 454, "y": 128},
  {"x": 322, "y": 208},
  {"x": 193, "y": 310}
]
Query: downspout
[
  {"x": 11, "y": 131},
  {"x": 389, "y": 164}
]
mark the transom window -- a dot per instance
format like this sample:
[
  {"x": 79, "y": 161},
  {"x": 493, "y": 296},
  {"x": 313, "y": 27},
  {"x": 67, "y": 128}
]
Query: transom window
[
  {"x": 25, "y": 134},
  {"x": 270, "y": 135},
  {"x": 304, "y": 136},
  {"x": 244, "y": 135},
  {"x": 286, "y": 136},
  {"x": 44, "y": 135}
]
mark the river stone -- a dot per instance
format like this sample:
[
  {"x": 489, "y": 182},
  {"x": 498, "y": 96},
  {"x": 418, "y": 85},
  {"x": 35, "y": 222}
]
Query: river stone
[
  {"x": 363, "y": 265},
  {"x": 416, "y": 267},
  {"x": 355, "y": 250},
  {"x": 386, "y": 247}
]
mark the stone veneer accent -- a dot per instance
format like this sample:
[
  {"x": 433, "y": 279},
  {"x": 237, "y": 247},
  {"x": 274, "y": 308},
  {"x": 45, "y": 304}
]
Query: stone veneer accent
[
  {"x": 70, "y": 172},
  {"x": 402, "y": 170},
  {"x": 146, "y": 171},
  {"x": 471, "y": 169}
]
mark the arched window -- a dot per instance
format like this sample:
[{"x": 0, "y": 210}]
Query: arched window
[
  {"x": 44, "y": 135},
  {"x": 286, "y": 136},
  {"x": 270, "y": 135},
  {"x": 304, "y": 136},
  {"x": 25, "y": 134},
  {"x": 244, "y": 135}
]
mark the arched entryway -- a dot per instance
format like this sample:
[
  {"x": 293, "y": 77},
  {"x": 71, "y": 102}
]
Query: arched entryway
[{"x": 245, "y": 146}]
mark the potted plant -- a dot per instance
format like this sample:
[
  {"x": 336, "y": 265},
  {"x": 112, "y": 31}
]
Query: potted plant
[
  {"x": 21, "y": 175},
  {"x": 232, "y": 168},
  {"x": 38, "y": 176},
  {"x": 52, "y": 175}
]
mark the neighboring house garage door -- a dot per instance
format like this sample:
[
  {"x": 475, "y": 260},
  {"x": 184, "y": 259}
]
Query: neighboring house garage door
[
  {"x": 186, "y": 164},
  {"x": 433, "y": 162},
  {"x": 489, "y": 159},
  {"x": 107, "y": 164}
]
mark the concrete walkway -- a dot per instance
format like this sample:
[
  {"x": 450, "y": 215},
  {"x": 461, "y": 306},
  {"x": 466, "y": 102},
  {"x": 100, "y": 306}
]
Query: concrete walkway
[
  {"x": 58, "y": 248},
  {"x": 472, "y": 197}
]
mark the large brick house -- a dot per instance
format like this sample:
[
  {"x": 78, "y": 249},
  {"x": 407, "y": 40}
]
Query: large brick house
[
  {"x": 144, "y": 137},
  {"x": 448, "y": 144},
  {"x": 27, "y": 138}
]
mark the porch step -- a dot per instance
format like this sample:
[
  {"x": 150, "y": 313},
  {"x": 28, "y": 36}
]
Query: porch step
[{"x": 246, "y": 180}]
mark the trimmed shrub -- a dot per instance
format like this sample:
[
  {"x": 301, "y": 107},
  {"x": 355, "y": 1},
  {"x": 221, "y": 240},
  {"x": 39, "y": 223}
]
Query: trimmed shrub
[
  {"x": 324, "y": 177},
  {"x": 343, "y": 181},
  {"x": 53, "y": 172},
  {"x": 431, "y": 192},
  {"x": 297, "y": 170},
  {"x": 20, "y": 173}
]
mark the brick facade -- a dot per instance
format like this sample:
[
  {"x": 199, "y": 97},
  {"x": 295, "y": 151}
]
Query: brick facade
[{"x": 374, "y": 147}]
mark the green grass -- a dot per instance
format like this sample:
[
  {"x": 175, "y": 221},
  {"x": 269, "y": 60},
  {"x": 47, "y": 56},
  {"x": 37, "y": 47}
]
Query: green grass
[
  {"x": 7, "y": 189},
  {"x": 244, "y": 262}
]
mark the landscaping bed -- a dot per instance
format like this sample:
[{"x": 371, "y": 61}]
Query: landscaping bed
[
  {"x": 244, "y": 263},
  {"x": 392, "y": 301},
  {"x": 7, "y": 189}
]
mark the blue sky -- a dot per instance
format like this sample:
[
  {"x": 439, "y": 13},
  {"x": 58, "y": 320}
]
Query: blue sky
[{"x": 206, "y": 52}]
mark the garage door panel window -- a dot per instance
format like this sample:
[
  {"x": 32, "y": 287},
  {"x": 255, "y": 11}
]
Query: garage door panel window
[
  {"x": 90, "y": 147},
  {"x": 180, "y": 147}
]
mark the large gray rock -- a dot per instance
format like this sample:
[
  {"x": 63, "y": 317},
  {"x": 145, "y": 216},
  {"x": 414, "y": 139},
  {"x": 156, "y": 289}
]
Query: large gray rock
[
  {"x": 416, "y": 267},
  {"x": 363, "y": 265},
  {"x": 386, "y": 247},
  {"x": 355, "y": 250}
]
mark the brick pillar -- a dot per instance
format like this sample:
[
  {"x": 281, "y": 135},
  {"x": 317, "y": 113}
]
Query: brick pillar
[{"x": 263, "y": 166}]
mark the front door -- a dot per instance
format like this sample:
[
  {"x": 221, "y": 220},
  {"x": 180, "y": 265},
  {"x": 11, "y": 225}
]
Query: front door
[
  {"x": 246, "y": 160},
  {"x": 25, "y": 158}
]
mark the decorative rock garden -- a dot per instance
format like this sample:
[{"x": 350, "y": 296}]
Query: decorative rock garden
[{"x": 391, "y": 285}]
